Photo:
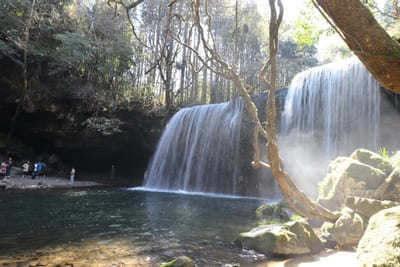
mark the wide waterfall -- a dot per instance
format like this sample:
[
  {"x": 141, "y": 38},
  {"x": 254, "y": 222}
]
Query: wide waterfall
[
  {"x": 337, "y": 105},
  {"x": 330, "y": 110},
  {"x": 199, "y": 150}
]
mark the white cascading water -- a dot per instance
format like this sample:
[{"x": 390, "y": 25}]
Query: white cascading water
[
  {"x": 337, "y": 104},
  {"x": 329, "y": 111},
  {"x": 199, "y": 150}
]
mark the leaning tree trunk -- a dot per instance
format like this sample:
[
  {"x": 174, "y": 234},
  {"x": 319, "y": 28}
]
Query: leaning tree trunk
[
  {"x": 296, "y": 198},
  {"x": 366, "y": 38}
]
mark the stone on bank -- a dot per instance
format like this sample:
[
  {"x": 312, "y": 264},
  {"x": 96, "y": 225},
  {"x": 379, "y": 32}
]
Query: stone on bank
[
  {"x": 346, "y": 231},
  {"x": 380, "y": 245},
  {"x": 291, "y": 238}
]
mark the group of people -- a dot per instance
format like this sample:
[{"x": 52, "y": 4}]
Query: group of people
[
  {"x": 36, "y": 169},
  {"x": 5, "y": 168},
  {"x": 28, "y": 169}
]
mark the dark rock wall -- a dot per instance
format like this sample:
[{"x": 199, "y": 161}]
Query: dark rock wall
[{"x": 54, "y": 127}]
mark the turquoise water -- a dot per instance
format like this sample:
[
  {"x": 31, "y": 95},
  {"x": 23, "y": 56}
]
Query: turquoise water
[{"x": 159, "y": 225}]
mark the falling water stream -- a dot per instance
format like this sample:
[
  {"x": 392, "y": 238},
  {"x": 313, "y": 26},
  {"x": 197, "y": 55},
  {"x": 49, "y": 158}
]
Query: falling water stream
[
  {"x": 336, "y": 104},
  {"x": 199, "y": 150}
]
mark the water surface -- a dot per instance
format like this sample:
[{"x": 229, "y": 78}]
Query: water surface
[{"x": 102, "y": 226}]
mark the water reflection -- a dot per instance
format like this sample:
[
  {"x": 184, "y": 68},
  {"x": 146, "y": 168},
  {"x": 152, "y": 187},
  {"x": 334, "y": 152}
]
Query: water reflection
[{"x": 152, "y": 226}]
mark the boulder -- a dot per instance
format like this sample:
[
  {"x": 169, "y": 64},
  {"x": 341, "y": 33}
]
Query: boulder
[
  {"x": 346, "y": 231},
  {"x": 395, "y": 159},
  {"x": 367, "y": 207},
  {"x": 348, "y": 177},
  {"x": 182, "y": 261},
  {"x": 372, "y": 159},
  {"x": 380, "y": 245},
  {"x": 291, "y": 238},
  {"x": 272, "y": 212}
]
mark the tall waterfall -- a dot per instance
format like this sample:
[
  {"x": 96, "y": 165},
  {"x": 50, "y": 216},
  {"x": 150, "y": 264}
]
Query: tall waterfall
[
  {"x": 199, "y": 150},
  {"x": 329, "y": 110},
  {"x": 337, "y": 105}
]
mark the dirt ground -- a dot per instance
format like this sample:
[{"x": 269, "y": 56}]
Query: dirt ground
[{"x": 17, "y": 181}]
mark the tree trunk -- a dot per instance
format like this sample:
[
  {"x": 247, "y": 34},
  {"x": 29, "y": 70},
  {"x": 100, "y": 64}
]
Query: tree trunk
[
  {"x": 367, "y": 39},
  {"x": 204, "y": 87}
]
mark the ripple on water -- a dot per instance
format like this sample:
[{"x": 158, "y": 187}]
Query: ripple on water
[{"x": 148, "y": 224}]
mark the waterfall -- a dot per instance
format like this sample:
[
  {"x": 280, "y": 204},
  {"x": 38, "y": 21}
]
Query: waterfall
[
  {"x": 329, "y": 111},
  {"x": 336, "y": 105},
  {"x": 199, "y": 150}
]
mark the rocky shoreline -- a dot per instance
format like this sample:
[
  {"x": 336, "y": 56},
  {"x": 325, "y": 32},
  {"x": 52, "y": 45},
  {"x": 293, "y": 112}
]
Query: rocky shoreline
[
  {"x": 18, "y": 182},
  {"x": 364, "y": 189}
]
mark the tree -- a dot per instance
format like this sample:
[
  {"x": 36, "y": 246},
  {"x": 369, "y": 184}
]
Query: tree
[
  {"x": 202, "y": 20},
  {"x": 379, "y": 52}
]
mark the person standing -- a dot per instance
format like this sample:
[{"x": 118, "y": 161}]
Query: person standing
[
  {"x": 35, "y": 170},
  {"x": 25, "y": 168},
  {"x": 72, "y": 177},
  {"x": 3, "y": 168},
  {"x": 8, "y": 168}
]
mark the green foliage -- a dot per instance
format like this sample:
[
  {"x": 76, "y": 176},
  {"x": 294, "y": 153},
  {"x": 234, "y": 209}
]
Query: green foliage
[
  {"x": 306, "y": 33},
  {"x": 325, "y": 186},
  {"x": 307, "y": 30},
  {"x": 384, "y": 153},
  {"x": 297, "y": 218}
]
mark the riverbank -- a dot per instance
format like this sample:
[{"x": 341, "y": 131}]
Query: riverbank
[{"x": 49, "y": 182}]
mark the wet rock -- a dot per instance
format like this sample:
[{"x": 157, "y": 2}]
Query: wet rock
[
  {"x": 380, "y": 245},
  {"x": 367, "y": 207},
  {"x": 372, "y": 159},
  {"x": 291, "y": 238},
  {"x": 346, "y": 231},
  {"x": 271, "y": 212},
  {"x": 182, "y": 261}
]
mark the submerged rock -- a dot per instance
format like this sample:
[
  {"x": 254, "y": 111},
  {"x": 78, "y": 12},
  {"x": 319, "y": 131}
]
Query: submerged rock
[
  {"x": 380, "y": 245},
  {"x": 372, "y": 159},
  {"x": 346, "y": 231},
  {"x": 291, "y": 238},
  {"x": 182, "y": 261}
]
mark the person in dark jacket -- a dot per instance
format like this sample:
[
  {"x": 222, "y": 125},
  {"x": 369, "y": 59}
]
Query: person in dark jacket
[{"x": 8, "y": 168}]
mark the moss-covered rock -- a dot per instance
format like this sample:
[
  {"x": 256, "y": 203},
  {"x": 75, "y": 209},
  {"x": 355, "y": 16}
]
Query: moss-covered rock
[
  {"x": 346, "y": 231},
  {"x": 380, "y": 245},
  {"x": 348, "y": 177},
  {"x": 291, "y": 238},
  {"x": 272, "y": 212},
  {"x": 372, "y": 159},
  {"x": 182, "y": 261}
]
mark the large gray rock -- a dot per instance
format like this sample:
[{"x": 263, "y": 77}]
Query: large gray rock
[
  {"x": 348, "y": 177},
  {"x": 380, "y": 245},
  {"x": 367, "y": 207},
  {"x": 291, "y": 238},
  {"x": 372, "y": 159},
  {"x": 346, "y": 231}
]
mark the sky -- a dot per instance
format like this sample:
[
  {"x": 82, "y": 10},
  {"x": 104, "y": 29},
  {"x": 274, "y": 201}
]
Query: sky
[{"x": 293, "y": 7}]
